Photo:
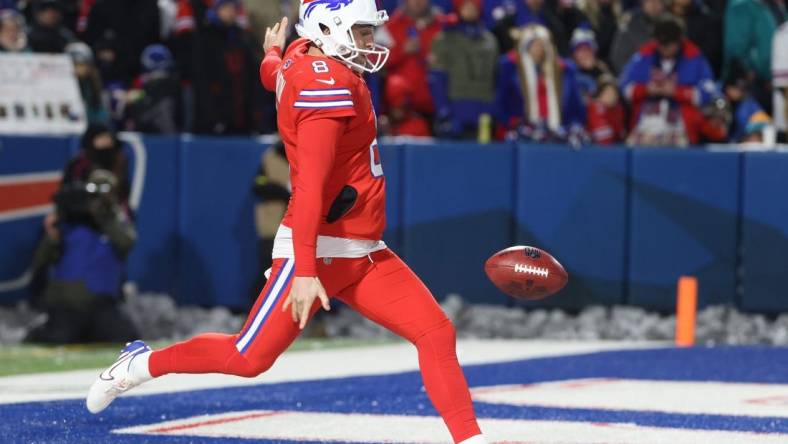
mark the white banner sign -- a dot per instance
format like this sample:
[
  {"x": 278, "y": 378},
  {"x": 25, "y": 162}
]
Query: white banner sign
[{"x": 39, "y": 94}]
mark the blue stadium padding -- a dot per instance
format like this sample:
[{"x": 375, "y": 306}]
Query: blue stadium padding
[
  {"x": 573, "y": 205},
  {"x": 391, "y": 155},
  {"x": 457, "y": 207},
  {"x": 218, "y": 250},
  {"x": 34, "y": 154},
  {"x": 764, "y": 232},
  {"x": 152, "y": 264},
  {"x": 19, "y": 237},
  {"x": 683, "y": 222},
  {"x": 450, "y": 206}
]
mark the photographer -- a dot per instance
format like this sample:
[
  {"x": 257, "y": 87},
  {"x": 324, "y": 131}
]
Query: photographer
[{"x": 85, "y": 246}]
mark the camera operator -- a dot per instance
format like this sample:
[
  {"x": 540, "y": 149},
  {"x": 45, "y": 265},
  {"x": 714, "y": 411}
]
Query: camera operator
[{"x": 85, "y": 246}]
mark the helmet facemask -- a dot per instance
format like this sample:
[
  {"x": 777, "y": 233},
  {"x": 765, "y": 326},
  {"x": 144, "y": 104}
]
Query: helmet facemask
[{"x": 362, "y": 59}]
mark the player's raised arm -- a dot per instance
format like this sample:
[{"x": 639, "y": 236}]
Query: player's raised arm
[{"x": 273, "y": 45}]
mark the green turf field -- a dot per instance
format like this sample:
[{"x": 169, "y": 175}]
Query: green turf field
[{"x": 18, "y": 359}]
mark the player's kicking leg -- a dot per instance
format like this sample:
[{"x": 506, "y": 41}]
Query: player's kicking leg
[
  {"x": 242, "y": 354},
  {"x": 391, "y": 295}
]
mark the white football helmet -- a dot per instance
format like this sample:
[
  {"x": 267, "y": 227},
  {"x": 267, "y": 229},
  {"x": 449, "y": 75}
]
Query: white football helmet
[{"x": 338, "y": 17}]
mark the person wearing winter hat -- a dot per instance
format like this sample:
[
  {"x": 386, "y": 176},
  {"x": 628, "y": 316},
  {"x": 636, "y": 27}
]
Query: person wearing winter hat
[
  {"x": 89, "y": 79},
  {"x": 589, "y": 67},
  {"x": 537, "y": 97},
  {"x": 462, "y": 71},
  {"x": 48, "y": 34},
  {"x": 155, "y": 102}
]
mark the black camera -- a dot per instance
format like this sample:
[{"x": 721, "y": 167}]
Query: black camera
[{"x": 74, "y": 201}]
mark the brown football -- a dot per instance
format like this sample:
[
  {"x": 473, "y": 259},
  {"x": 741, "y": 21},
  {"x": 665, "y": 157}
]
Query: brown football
[{"x": 526, "y": 272}]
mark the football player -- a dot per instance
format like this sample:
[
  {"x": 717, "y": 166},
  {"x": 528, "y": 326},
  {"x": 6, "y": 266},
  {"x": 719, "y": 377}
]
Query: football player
[{"x": 329, "y": 242}]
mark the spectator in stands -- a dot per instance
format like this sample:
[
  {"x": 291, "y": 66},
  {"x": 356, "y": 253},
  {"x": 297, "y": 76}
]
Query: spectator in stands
[
  {"x": 462, "y": 78},
  {"x": 667, "y": 83},
  {"x": 12, "y": 32},
  {"x": 570, "y": 15},
  {"x": 780, "y": 82},
  {"x": 499, "y": 17},
  {"x": 70, "y": 10},
  {"x": 226, "y": 84},
  {"x": 587, "y": 66},
  {"x": 115, "y": 80},
  {"x": 85, "y": 246},
  {"x": 409, "y": 34},
  {"x": 134, "y": 25},
  {"x": 749, "y": 29},
  {"x": 635, "y": 28},
  {"x": 759, "y": 131},
  {"x": 604, "y": 17},
  {"x": 747, "y": 114},
  {"x": 606, "y": 113},
  {"x": 715, "y": 121},
  {"x": 48, "y": 34},
  {"x": 401, "y": 119},
  {"x": 105, "y": 50},
  {"x": 537, "y": 97},
  {"x": 89, "y": 82},
  {"x": 703, "y": 27},
  {"x": 155, "y": 102},
  {"x": 536, "y": 12}
]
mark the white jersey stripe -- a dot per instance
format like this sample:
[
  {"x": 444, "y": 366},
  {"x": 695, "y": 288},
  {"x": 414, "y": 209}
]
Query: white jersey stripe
[
  {"x": 330, "y": 104},
  {"x": 324, "y": 92},
  {"x": 276, "y": 291}
]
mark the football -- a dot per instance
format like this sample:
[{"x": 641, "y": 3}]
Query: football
[{"x": 526, "y": 272}]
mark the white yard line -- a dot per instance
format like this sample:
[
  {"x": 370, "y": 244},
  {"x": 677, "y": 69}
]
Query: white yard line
[
  {"x": 353, "y": 427},
  {"x": 697, "y": 397},
  {"x": 305, "y": 365}
]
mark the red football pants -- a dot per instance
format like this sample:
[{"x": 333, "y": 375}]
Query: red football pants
[{"x": 382, "y": 288}]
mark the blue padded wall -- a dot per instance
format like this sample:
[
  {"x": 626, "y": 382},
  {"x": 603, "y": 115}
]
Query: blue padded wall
[
  {"x": 456, "y": 212},
  {"x": 765, "y": 232},
  {"x": 684, "y": 209},
  {"x": 153, "y": 263},
  {"x": 218, "y": 250},
  {"x": 573, "y": 205},
  {"x": 391, "y": 156},
  {"x": 19, "y": 236}
]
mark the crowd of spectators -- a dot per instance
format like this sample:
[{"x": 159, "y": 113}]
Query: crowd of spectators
[{"x": 642, "y": 72}]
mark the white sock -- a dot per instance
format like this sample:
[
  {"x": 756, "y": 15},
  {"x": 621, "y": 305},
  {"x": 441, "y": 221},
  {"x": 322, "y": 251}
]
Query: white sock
[
  {"x": 138, "y": 369},
  {"x": 478, "y": 439}
]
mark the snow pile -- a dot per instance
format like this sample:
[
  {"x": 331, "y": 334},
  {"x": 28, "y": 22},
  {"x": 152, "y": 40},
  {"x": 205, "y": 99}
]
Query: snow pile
[{"x": 158, "y": 317}]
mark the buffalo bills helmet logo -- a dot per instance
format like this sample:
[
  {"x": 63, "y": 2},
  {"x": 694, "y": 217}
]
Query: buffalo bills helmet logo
[{"x": 332, "y": 5}]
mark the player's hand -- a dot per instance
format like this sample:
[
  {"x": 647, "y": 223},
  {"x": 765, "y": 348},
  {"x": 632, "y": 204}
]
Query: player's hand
[
  {"x": 302, "y": 295},
  {"x": 50, "y": 225},
  {"x": 412, "y": 45},
  {"x": 669, "y": 88},
  {"x": 275, "y": 36}
]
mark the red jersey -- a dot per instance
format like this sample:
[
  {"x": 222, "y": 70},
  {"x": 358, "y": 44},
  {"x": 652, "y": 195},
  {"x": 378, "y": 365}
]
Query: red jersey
[{"x": 313, "y": 89}]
